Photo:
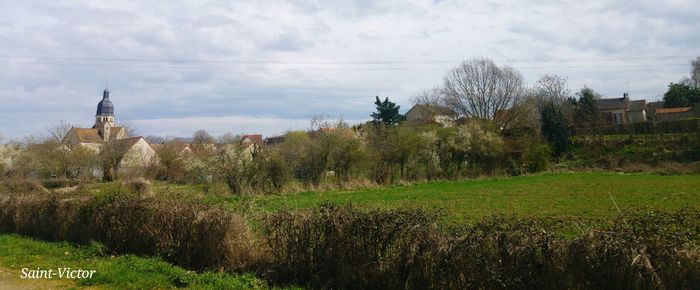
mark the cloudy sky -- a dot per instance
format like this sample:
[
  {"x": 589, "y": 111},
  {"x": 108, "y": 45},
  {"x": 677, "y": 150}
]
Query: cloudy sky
[{"x": 266, "y": 66}]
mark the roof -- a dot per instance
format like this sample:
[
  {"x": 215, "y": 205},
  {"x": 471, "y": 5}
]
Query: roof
[
  {"x": 673, "y": 110},
  {"x": 105, "y": 107},
  {"x": 256, "y": 139},
  {"x": 184, "y": 140},
  {"x": 637, "y": 105},
  {"x": 131, "y": 141},
  {"x": 88, "y": 135},
  {"x": 612, "y": 104},
  {"x": 434, "y": 109},
  {"x": 92, "y": 135}
]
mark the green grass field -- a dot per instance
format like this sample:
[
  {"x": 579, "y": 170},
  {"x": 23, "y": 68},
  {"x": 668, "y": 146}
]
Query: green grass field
[
  {"x": 550, "y": 195},
  {"x": 121, "y": 272}
]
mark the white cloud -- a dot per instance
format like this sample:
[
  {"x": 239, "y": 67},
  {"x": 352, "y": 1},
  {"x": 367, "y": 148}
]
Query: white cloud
[{"x": 292, "y": 59}]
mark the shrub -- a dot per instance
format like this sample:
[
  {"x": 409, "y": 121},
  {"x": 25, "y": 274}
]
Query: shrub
[
  {"x": 537, "y": 157},
  {"x": 183, "y": 232},
  {"x": 138, "y": 185},
  {"x": 343, "y": 247}
]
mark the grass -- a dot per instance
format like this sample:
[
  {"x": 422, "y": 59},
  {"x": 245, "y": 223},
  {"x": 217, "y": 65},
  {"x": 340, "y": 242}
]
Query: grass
[
  {"x": 577, "y": 196},
  {"x": 121, "y": 272}
]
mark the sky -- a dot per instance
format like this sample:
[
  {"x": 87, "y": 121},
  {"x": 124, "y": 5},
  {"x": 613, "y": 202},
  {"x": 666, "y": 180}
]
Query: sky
[{"x": 174, "y": 67}]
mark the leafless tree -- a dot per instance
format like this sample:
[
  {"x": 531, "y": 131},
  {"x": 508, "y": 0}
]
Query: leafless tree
[
  {"x": 551, "y": 88},
  {"x": 130, "y": 128},
  {"x": 480, "y": 89},
  {"x": 229, "y": 138},
  {"x": 432, "y": 96},
  {"x": 202, "y": 137},
  {"x": 316, "y": 122},
  {"x": 57, "y": 132},
  {"x": 695, "y": 73},
  {"x": 153, "y": 139}
]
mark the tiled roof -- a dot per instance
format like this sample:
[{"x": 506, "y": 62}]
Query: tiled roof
[
  {"x": 637, "y": 105},
  {"x": 612, "y": 104},
  {"x": 254, "y": 138},
  {"x": 88, "y": 135},
  {"x": 673, "y": 110},
  {"x": 129, "y": 141}
]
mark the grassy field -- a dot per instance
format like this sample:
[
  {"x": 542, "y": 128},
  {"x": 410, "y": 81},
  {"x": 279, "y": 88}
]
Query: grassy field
[
  {"x": 121, "y": 272},
  {"x": 551, "y": 195}
]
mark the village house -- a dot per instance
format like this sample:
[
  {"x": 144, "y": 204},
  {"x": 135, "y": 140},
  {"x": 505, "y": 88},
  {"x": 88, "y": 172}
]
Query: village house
[
  {"x": 136, "y": 151},
  {"x": 424, "y": 114},
  {"x": 622, "y": 111}
]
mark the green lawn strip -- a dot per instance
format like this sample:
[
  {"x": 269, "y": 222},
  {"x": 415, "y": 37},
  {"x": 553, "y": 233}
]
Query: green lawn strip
[
  {"x": 120, "y": 272},
  {"x": 549, "y": 195}
]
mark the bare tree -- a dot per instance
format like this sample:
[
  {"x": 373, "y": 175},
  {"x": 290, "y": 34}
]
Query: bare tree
[
  {"x": 695, "y": 73},
  {"x": 153, "y": 139},
  {"x": 229, "y": 138},
  {"x": 58, "y": 131},
  {"x": 202, "y": 137},
  {"x": 552, "y": 88},
  {"x": 130, "y": 127},
  {"x": 480, "y": 89},
  {"x": 317, "y": 122},
  {"x": 432, "y": 96}
]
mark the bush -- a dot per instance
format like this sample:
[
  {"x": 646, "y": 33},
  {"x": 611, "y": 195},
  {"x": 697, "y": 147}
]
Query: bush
[
  {"x": 138, "y": 185},
  {"x": 537, "y": 158},
  {"x": 343, "y": 247},
  {"x": 184, "y": 232}
]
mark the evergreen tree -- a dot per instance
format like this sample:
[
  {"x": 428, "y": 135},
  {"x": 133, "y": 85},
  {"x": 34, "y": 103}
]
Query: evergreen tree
[
  {"x": 586, "y": 112},
  {"x": 555, "y": 128},
  {"x": 681, "y": 95},
  {"x": 387, "y": 112}
]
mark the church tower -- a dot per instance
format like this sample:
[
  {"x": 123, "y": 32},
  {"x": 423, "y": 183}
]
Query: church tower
[{"x": 104, "y": 118}]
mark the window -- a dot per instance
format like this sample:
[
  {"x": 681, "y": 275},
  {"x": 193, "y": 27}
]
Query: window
[{"x": 617, "y": 118}]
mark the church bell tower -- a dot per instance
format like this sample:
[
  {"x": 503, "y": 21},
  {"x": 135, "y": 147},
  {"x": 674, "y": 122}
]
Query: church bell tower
[{"x": 104, "y": 118}]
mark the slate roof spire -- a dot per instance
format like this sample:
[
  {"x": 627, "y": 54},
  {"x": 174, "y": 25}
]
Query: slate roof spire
[{"x": 105, "y": 107}]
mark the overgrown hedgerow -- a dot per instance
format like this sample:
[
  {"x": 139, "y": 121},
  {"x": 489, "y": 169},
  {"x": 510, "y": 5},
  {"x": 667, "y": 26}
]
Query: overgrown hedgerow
[
  {"x": 186, "y": 233},
  {"x": 343, "y": 247}
]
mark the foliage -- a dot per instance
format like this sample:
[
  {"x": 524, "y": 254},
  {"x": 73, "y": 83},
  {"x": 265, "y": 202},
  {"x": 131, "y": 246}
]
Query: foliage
[
  {"x": 183, "y": 232},
  {"x": 681, "y": 95},
  {"x": 555, "y": 127},
  {"x": 537, "y": 158},
  {"x": 343, "y": 247},
  {"x": 586, "y": 112},
  {"x": 387, "y": 112}
]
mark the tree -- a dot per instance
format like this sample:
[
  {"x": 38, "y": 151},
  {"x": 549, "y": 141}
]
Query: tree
[
  {"x": 555, "y": 127},
  {"x": 695, "y": 73},
  {"x": 202, "y": 137},
  {"x": 479, "y": 89},
  {"x": 229, "y": 138},
  {"x": 387, "y": 112},
  {"x": 153, "y": 139},
  {"x": 587, "y": 114},
  {"x": 551, "y": 87},
  {"x": 431, "y": 97},
  {"x": 58, "y": 131},
  {"x": 111, "y": 155},
  {"x": 681, "y": 95}
]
